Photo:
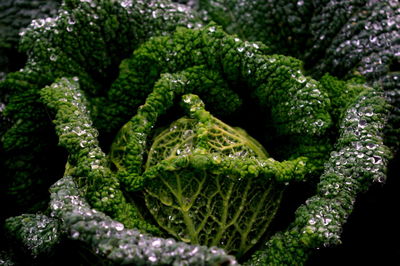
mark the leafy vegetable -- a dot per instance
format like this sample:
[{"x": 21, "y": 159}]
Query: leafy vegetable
[
  {"x": 195, "y": 178},
  {"x": 86, "y": 160}
]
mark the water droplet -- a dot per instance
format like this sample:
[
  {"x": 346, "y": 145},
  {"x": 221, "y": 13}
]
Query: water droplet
[
  {"x": 154, "y": 14},
  {"x": 53, "y": 57},
  {"x": 377, "y": 26},
  {"x": 369, "y": 113},
  {"x": 126, "y": 3},
  {"x": 390, "y": 22},
  {"x": 156, "y": 243},
  {"x": 119, "y": 227},
  {"x": 153, "y": 258},
  {"x": 301, "y": 79},
  {"x": 362, "y": 124},
  {"x": 166, "y": 16},
  {"x": 104, "y": 199},
  {"x": 75, "y": 235},
  {"x": 57, "y": 205},
  {"x": 249, "y": 54},
  {"x": 373, "y": 38},
  {"x": 371, "y": 146},
  {"x": 358, "y": 146},
  {"x": 376, "y": 159},
  {"x": 327, "y": 221},
  {"x": 381, "y": 179},
  {"x": 83, "y": 143},
  {"x": 319, "y": 123}
]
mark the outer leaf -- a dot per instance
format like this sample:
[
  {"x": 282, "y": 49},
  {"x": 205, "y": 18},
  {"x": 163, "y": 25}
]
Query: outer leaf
[
  {"x": 36, "y": 234},
  {"x": 124, "y": 246},
  {"x": 360, "y": 158},
  {"x": 87, "y": 162}
]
